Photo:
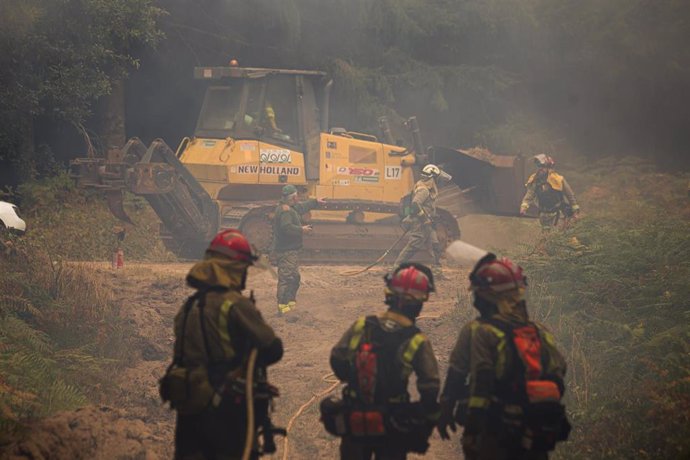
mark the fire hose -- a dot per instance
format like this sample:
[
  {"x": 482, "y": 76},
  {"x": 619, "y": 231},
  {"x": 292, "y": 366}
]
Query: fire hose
[
  {"x": 377, "y": 261},
  {"x": 249, "y": 393},
  {"x": 302, "y": 408}
]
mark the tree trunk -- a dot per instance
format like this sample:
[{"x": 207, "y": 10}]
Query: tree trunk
[{"x": 110, "y": 115}]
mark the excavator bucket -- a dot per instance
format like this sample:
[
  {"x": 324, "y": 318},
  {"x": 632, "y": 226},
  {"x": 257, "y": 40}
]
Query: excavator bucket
[{"x": 484, "y": 182}]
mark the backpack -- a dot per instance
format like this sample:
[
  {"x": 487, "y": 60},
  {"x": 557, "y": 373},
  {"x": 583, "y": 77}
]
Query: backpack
[
  {"x": 189, "y": 391},
  {"x": 405, "y": 208},
  {"x": 542, "y": 422},
  {"x": 375, "y": 382}
]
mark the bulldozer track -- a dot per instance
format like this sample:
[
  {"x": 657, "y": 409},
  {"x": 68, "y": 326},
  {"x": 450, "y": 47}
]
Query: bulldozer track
[{"x": 336, "y": 242}]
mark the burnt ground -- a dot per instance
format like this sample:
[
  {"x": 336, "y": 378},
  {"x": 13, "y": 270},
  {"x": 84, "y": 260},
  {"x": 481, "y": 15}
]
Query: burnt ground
[{"x": 132, "y": 424}]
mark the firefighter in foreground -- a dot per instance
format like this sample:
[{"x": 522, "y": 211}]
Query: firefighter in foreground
[
  {"x": 375, "y": 358},
  {"x": 215, "y": 333},
  {"x": 505, "y": 375},
  {"x": 287, "y": 242},
  {"x": 422, "y": 231},
  {"x": 550, "y": 192}
]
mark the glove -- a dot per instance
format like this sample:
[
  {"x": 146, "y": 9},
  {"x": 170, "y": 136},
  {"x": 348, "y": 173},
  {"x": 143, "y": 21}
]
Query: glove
[
  {"x": 523, "y": 210},
  {"x": 446, "y": 420}
]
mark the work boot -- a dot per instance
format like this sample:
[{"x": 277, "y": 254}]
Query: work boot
[{"x": 283, "y": 308}]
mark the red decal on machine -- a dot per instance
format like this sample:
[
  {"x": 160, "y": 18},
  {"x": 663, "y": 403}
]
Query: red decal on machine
[{"x": 357, "y": 171}]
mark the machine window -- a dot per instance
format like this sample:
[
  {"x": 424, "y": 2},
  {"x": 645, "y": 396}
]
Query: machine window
[
  {"x": 252, "y": 114},
  {"x": 362, "y": 155},
  {"x": 220, "y": 107},
  {"x": 280, "y": 109}
]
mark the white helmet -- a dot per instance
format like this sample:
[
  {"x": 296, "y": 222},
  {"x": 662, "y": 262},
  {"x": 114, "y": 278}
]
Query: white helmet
[
  {"x": 431, "y": 171},
  {"x": 434, "y": 172}
]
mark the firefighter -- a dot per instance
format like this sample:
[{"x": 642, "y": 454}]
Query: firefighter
[
  {"x": 505, "y": 375},
  {"x": 375, "y": 358},
  {"x": 215, "y": 332},
  {"x": 287, "y": 242},
  {"x": 550, "y": 192},
  {"x": 422, "y": 232}
]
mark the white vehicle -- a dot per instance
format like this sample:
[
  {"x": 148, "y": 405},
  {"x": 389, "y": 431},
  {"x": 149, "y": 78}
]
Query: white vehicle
[{"x": 9, "y": 217}]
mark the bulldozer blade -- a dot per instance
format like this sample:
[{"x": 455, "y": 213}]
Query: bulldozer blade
[{"x": 116, "y": 206}]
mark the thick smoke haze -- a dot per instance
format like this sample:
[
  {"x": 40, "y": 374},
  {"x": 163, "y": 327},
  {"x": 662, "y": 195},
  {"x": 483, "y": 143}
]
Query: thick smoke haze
[{"x": 587, "y": 76}]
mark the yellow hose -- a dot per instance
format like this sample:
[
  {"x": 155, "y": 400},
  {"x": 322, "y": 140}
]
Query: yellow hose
[
  {"x": 325, "y": 378},
  {"x": 249, "y": 394}
]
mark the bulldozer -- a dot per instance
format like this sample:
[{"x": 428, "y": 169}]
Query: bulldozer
[{"x": 260, "y": 129}]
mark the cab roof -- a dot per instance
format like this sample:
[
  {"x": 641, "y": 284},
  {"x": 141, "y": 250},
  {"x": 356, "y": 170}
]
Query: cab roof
[{"x": 216, "y": 73}]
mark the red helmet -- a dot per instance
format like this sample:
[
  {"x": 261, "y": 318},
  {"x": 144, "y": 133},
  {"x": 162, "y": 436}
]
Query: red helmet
[
  {"x": 543, "y": 161},
  {"x": 410, "y": 282},
  {"x": 231, "y": 243},
  {"x": 497, "y": 276}
]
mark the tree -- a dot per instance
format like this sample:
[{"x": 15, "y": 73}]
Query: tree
[{"x": 57, "y": 57}]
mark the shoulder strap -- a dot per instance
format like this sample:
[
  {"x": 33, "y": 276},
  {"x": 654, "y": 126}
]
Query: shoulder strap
[
  {"x": 357, "y": 332},
  {"x": 411, "y": 350},
  {"x": 178, "y": 357},
  {"x": 201, "y": 304},
  {"x": 224, "y": 329}
]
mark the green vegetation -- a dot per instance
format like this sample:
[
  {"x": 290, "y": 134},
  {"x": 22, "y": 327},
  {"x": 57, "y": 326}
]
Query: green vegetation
[
  {"x": 614, "y": 289},
  {"x": 513, "y": 75},
  {"x": 71, "y": 224},
  {"x": 57, "y": 57},
  {"x": 62, "y": 340}
]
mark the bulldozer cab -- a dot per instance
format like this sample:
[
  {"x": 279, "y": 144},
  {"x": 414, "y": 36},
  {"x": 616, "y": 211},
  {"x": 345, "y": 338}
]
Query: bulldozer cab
[{"x": 285, "y": 108}]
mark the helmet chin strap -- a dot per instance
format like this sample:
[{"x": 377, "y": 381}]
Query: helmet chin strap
[{"x": 243, "y": 283}]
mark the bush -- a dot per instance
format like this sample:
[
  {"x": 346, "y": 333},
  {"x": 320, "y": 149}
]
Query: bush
[
  {"x": 614, "y": 289},
  {"x": 61, "y": 337},
  {"x": 73, "y": 224}
]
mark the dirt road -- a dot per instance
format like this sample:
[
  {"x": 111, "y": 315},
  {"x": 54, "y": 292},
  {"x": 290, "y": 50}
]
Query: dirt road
[{"x": 132, "y": 424}]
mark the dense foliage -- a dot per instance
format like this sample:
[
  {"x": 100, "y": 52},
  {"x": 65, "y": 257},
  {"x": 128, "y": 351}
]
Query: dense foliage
[
  {"x": 614, "y": 289},
  {"x": 75, "y": 225},
  {"x": 62, "y": 340},
  {"x": 57, "y": 57},
  {"x": 515, "y": 75}
]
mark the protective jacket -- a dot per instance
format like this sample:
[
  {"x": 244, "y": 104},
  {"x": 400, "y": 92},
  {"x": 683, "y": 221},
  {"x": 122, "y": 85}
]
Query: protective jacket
[
  {"x": 412, "y": 353},
  {"x": 221, "y": 333},
  {"x": 287, "y": 225},
  {"x": 424, "y": 200},
  {"x": 548, "y": 193},
  {"x": 490, "y": 382}
]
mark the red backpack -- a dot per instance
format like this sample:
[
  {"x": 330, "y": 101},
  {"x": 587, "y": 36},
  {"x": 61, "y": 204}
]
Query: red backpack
[
  {"x": 544, "y": 421},
  {"x": 376, "y": 378}
]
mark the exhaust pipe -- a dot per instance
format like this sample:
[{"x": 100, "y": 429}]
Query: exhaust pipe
[
  {"x": 413, "y": 127},
  {"x": 326, "y": 106},
  {"x": 386, "y": 133}
]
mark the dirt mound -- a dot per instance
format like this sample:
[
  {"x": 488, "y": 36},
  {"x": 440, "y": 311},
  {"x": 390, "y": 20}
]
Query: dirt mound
[{"x": 94, "y": 433}]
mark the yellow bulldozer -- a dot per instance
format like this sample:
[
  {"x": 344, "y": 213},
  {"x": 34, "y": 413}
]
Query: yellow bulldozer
[{"x": 260, "y": 129}]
